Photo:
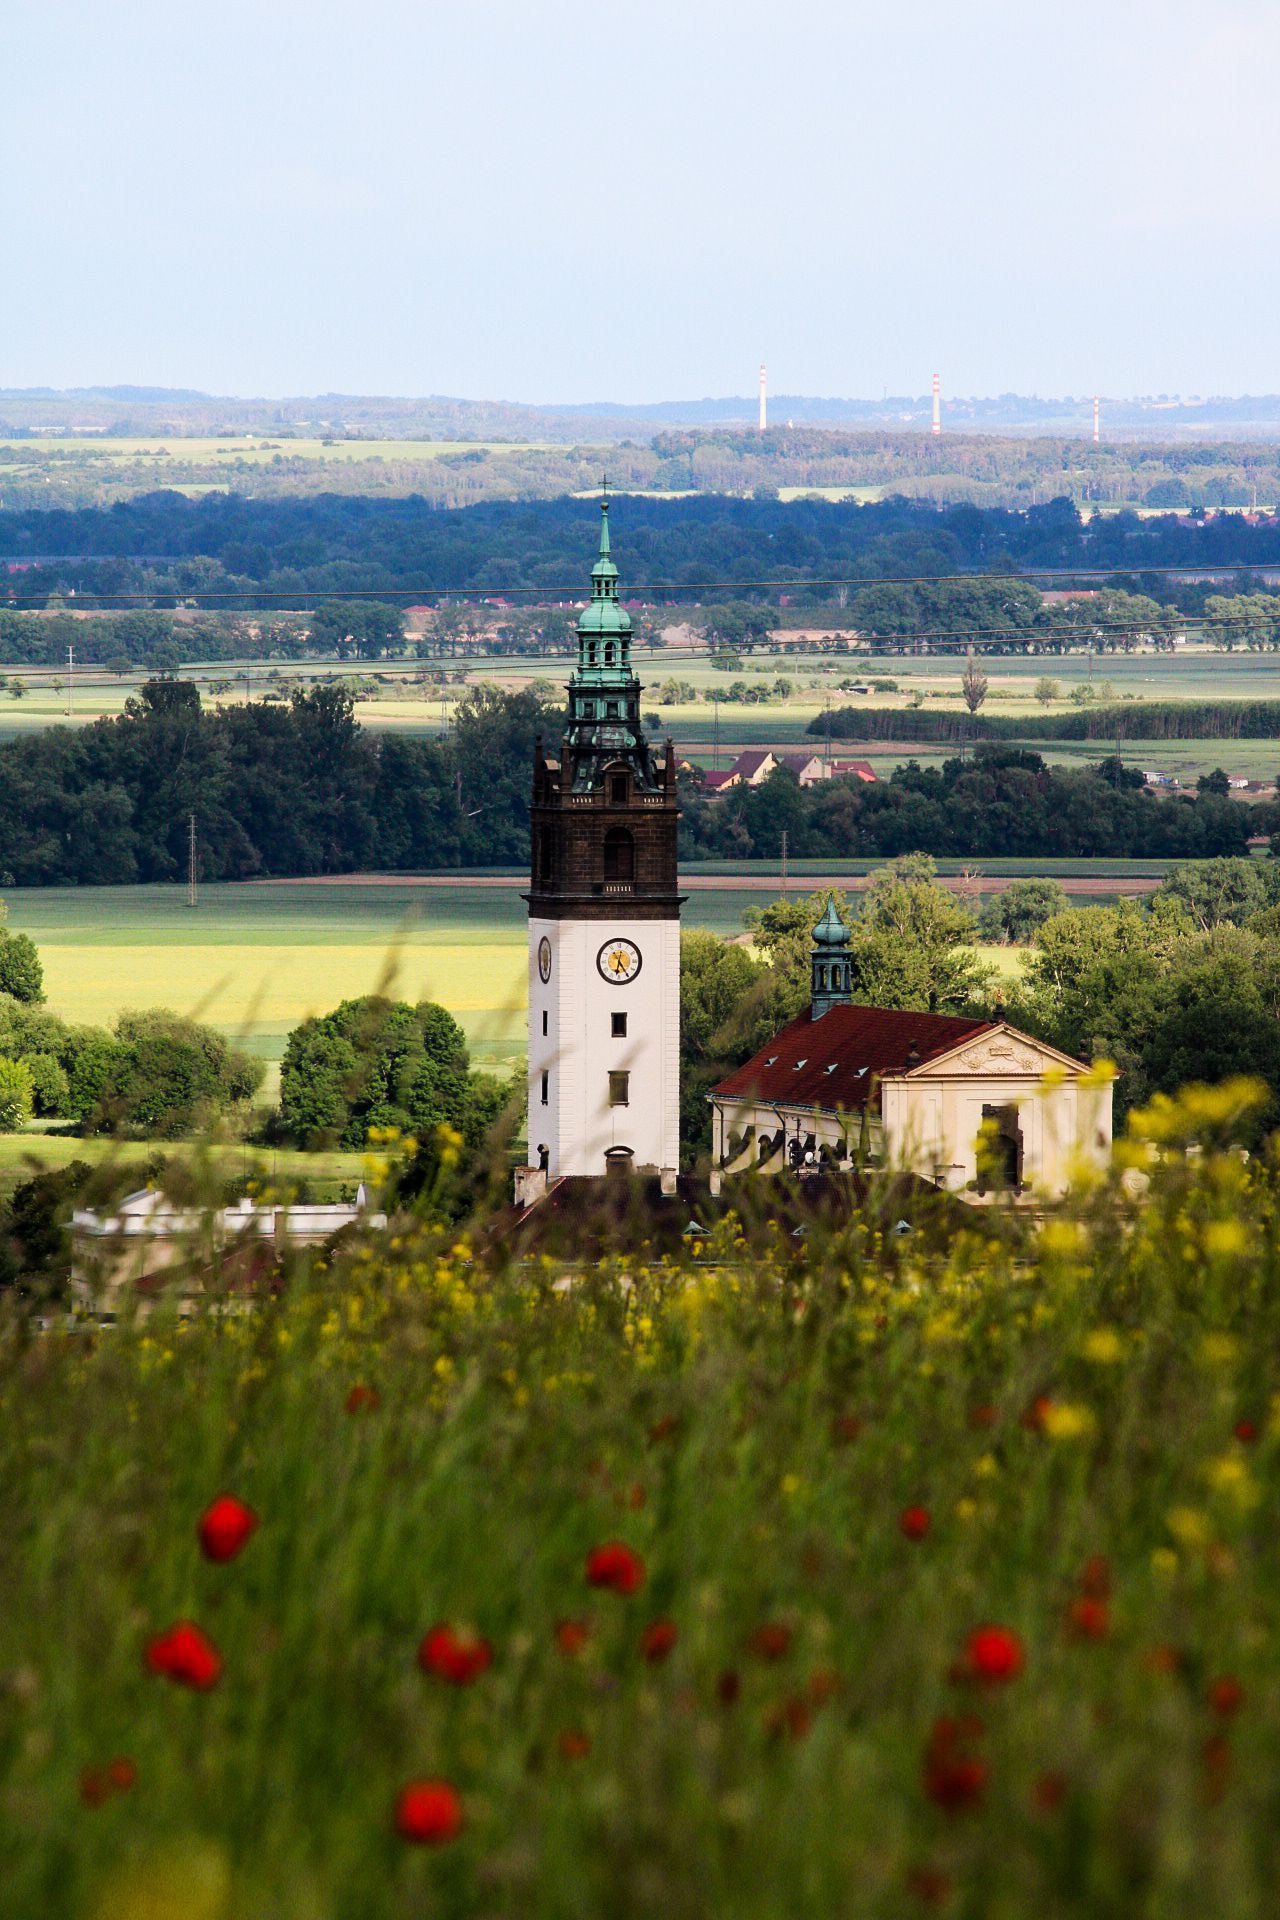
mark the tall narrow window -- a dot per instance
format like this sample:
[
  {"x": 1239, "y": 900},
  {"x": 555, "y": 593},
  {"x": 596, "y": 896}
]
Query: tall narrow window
[
  {"x": 618, "y": 789},
  {"x": 619, "y": 855},
  {"x": 619, "y": 1089},
  {"x": 546, "y": 1082},
  {"x": 619, "y": 1026},
  {"x": 544, "y": 1021}
]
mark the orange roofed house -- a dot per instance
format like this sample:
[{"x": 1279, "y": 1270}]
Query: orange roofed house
[{"x": 844, "y": 1083}]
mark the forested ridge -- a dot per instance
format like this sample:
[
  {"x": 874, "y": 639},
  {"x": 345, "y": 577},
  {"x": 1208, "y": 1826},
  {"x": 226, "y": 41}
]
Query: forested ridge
[
  {"x": 302, "y": 789},
  {"x": 228, "y": 549}
]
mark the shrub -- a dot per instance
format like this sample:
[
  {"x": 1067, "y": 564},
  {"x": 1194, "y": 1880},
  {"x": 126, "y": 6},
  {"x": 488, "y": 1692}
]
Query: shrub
[
  {"x": 49, "y": 1083},
  {"x": 15, "y": 1095},
  {"x": 21, "y": 973}
]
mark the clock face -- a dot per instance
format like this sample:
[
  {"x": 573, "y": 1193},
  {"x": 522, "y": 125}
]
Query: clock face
[
  {"x": 619, "y": 961},
  {"x": 544, "y": 958}
]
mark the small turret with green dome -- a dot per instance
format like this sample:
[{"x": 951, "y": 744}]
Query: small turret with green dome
[
  {"x": 604, "y": 693},
  {"x": 831, "y": 964}
]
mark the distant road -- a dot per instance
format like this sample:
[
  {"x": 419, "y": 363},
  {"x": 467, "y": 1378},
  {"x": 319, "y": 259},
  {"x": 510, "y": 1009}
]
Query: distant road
[{"x": 1083, "y": 884}]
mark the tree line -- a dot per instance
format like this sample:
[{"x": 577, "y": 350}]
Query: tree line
[
  {"x": 1139, "y": 720},
  {"x": 254, "y": 552},
  {"x": 1002, "y": 802}
]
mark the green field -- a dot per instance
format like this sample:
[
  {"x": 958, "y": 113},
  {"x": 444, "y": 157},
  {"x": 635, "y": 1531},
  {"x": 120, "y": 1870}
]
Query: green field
[
  {"x": 233, "y": 450},
  {"x": 255, "y": 959}
]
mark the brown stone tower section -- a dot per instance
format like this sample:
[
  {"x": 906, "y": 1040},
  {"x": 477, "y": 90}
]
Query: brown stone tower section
[{"x": 604, "y": 836}]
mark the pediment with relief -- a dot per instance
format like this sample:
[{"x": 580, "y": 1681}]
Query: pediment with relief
[{"x": 1001, "y": 1054}]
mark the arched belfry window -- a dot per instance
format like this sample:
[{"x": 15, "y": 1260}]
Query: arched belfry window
[
  {"x": 608, "y": 654},
  {"x": 619, "y": 855}
]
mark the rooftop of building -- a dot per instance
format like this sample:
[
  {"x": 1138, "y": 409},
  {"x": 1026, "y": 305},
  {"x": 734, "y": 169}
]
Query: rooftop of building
[{"x": 837, "y": 1060}]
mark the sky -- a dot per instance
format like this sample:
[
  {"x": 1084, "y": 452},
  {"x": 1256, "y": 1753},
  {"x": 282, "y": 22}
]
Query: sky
[{"x": 550, "y": 201}]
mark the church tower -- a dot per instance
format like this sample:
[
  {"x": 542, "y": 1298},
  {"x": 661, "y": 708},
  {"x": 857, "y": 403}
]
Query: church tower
[{"x": 604, "y": 920}]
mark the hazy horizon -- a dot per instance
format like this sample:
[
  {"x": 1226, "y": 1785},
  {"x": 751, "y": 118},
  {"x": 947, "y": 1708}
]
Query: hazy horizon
[{"x": 554, "y": 200}]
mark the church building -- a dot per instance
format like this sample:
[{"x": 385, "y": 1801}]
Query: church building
[
  {"x": 843, "y": 1085},
  {"x": 604, "y": 923}
]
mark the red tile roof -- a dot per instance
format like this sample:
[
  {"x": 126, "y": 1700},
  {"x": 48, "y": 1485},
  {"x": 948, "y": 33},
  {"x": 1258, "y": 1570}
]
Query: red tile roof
[
  {"x": 862, "y": 768},
  {"x": 716, "y": 780},
  {"x": 833, "y": 1061}
]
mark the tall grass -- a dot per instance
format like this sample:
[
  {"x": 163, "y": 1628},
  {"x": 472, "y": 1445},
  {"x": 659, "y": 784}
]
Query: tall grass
[{"x": 1085, "y": 1411}]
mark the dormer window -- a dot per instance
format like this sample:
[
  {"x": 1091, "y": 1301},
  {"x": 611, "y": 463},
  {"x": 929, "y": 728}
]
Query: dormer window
[
  {"x": 831, "y": 1068},
  {"x": 772, "y": 1061},
  {"x": 799, "y": 1064}
]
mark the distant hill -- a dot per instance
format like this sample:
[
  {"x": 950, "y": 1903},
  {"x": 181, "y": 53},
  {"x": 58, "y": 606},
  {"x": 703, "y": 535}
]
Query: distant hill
[{"x": 140, "y": 410}]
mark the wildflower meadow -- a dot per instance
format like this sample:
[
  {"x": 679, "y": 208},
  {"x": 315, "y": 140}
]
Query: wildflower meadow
[{"x": 844, "y": 1575}]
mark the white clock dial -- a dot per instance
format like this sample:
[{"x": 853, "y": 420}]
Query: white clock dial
[
  {"x": 618, "y": 961},
  {"x": 544, "y": 958}
]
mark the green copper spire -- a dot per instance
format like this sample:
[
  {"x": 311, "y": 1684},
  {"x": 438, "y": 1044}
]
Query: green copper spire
[
  {"x": 604, "y": 693},
  {"x": 830, "y": 965}
]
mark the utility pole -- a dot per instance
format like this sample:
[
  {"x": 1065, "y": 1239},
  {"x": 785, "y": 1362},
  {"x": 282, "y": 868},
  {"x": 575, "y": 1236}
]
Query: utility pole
[
  {"x": 715, "y": 749},
  {"x": 826, "y": 716},
  {"x": 71, "y": 669},
  {"x": 247, "y": 691},
  {"x": 191, "y": 861},
  {"x": 784, "y": 863}
]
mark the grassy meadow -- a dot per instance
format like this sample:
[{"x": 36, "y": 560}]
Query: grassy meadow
[{"x": 842, "y": 1576}]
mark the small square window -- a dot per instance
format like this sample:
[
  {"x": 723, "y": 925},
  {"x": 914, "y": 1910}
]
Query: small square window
[
  {"x": 619, "y": 1089},
  {"x": 619, "y": 1025},
  {"x": 612, "y": 710},
  {"x": 546, "y": 1082}
]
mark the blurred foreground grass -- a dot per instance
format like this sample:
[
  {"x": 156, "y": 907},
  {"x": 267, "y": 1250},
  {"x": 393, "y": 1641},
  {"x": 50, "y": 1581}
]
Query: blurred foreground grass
[{"x": 834, "y": 1464}]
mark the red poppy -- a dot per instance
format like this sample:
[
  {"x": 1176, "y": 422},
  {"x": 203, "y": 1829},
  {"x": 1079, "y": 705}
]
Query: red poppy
[
  {"x": 1089, "y": 1619},
  {"x": 122, "y": 1773},
  {"x": 915, "y": 1522},
  {"x": 456, "y": 1656},
  {"x": 1096, "y": 1578},
  {"x": 574, "y": 1744},
  {"x": 847, "y": 1427},
  {"x": 1049, "y": 1791},
  {"x": 572, "y": 1635},
  {"x": 791, "y": 1717},
  {"x": 984, "y": 1416},
  {"x": 1164, "y": 1659},
  {"x": 728, "y": 1687},
  {"x": 1216, "y": 1753},
  {"x": 1226, "y": 1695},
  {"x": 994, "y": 1654},
  {"x": 1247, "y": 1431},
  {"x": 225, "y": 1527},
  {"x": 955, "y": 1781},
  {"x": 362, "y": 1399},
  {"x": 94, "y": 1787},
  {"x": 429, "y": 1812},
  {"x": 658, "y": 1638},
  {"x": 771, "y": 1641},
  {"x": 1033, "y": 1418},
  {"x": 823, "y": 1683},
  {"x": 930, "y": 1885},
  {"x": 664, "y": 1428},
  {"x": 185, "y": 1655},
  {"x": 616, "y": 1566}
]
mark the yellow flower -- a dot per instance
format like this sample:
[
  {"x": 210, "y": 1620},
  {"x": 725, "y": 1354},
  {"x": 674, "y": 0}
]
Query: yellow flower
[
  {"x": 1103, "y": 1346},
  {"x": 965, "y": 1509},
  {"x": 1065, "y": 1420},
  {"x": 1164, "y": 1561},
  {"x": 1189, "y": 1527},
  {"x": 1225, "y": 1237}
]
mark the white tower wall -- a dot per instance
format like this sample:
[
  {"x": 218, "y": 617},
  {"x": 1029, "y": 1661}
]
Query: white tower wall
[{"x": 577, "y": 1124}]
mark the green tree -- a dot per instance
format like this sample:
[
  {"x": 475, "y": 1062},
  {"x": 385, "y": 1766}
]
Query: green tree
[
  {"x": 21, "y": 974},
  {"x": 1009, "y": 918},
  {"x": 730, "y": 1002},
  {"x": 1216, "y": 892},
  {"x": 366, "y": 628},
  {"x": 973, "y": 684},
  {"x": 1047, "y": 690},
  {"x": 374, "y": 1062}
]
